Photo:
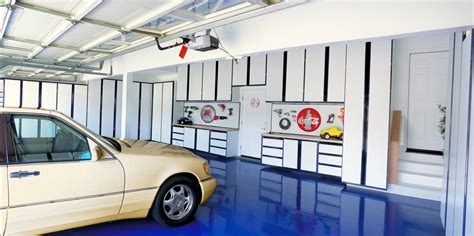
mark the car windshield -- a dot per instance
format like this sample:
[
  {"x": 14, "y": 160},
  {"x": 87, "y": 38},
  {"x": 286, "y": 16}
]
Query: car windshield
[{"x": 112, "y": 143}]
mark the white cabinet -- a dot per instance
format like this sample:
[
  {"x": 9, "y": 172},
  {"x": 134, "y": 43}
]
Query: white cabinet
[
  {"x": 65, "y": 98},
  {"x": 257, "y": 71},
  {"x": 209, "y": 81},
  {"x": 295, "y": 76},
  {"x": 224, "y": 80},
  {"x": 202, "y": 140},
  {"x": 314, "y": 74},
  {"x": 80, "y": 103},
  {"x": 107, "y": 112},
  {"x": 239, "y": 72},
  {"x": 182, "y": 83},
  {"x": 290, "y": 153},
  {"x": 30, "y": 95},
  {"x": 189, "y": 137},
  {"x": 309, "y": 156},
  {"x": 336, "y": 73},
  {"x": 157, "y": 112},
  {"x": 274, "y": 77},
  {"x": 167, "y": 112},
  {"x": 195, "y": 82},
  {"x": 146, "y": 91}
]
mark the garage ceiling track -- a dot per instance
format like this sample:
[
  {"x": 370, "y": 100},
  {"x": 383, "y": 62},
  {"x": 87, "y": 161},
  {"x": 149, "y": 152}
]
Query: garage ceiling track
[{"x": 58, "y": 40}]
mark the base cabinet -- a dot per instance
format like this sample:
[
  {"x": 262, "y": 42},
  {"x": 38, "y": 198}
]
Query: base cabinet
[{"x": 313, "y": 156}]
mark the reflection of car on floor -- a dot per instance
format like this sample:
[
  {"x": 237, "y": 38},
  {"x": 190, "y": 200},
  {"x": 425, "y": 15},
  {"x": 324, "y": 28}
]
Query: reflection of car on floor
[
  {"x": 58, "y": 175},
  {"x": 332, "y": 132}
]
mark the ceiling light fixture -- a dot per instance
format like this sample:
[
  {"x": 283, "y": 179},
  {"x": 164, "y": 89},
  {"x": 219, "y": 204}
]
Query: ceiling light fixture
[
  {"x": 67, "y": 56},
  {"x": 227, "y": 10},
  {"x": 160, "y": 11},
  {"x": 5, "y": 19},
  {"x": 100, "y": 40}
]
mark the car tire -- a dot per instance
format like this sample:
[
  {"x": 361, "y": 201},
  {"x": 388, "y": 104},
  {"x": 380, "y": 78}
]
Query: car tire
[
  {"x": 326, "y": 136},
  {"x": 177, "y": 201}
]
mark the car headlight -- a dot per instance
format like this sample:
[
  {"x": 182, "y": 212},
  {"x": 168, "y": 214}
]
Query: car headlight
[{"x": 207, "y": 170}]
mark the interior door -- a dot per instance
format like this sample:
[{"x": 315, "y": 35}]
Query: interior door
[
  {"x": 253, "y": 121},
  {"x": 57, "y": 179},
  {"x": 427, "y": 89}
]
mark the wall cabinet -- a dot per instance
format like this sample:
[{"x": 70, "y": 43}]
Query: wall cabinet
[
  {"x": 295, "y": 76},
  {"x": 239, "y": 72},
  {"x": 195, "y": 82},
  {"x": 258, "y": 70},
  {"x": 224, "y": 80},
  {"x": 209, "y": 81},
  {"x": 314, "y": 74},
  {"x": 182, "y": 83},
  {"x": 336, "y": 73},
  {"x": 275, "y": 77}
]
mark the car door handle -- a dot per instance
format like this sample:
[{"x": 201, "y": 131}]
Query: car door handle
[{"x": 22, "y": 174}]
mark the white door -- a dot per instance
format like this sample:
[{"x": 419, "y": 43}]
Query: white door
[
  {"x": 253, "y": 121},
  {"x": 427, "y": 89}
]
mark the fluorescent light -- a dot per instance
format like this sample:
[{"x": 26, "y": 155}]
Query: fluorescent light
[
  {"x": 6, "y": 19},
  {"x": 35, "y": 52},
  {"x": 227, "y": 10},
  {"x": 85, "y": 8},
  {"x": 56, "y": 33},
  {"x": 172, "y": 28},
  {"x": 103, "y": 38},
  {"x": 67, "y": 56},
  {"x": 160, "y": 11}
]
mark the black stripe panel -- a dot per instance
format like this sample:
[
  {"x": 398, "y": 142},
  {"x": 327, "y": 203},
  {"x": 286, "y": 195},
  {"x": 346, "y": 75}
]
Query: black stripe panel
[{"x": 368, "y": 46}]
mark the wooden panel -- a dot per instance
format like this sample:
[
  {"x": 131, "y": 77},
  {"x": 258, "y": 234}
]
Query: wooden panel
[
  {"x": 145, "y": 111},
  {"x": 182, "y": 83},
  {"x": 354, "y": 113},
  {"x": 118, "y": 105},
  {"x": 274, "y": 77},
  {"x": 337, "y": 73},
  {"x": 258, "y": 67},
  {"x": 195, "y": 82},
  {"x": 12, "y": 93},
  {"x": 295, "y": 75},
  {"x": 209, "y": 81},
  {"x": 290, "y": 154},
  {"x": 239, "y": 72},
  {"x": 224, "y": 80},
  {"x": 379, "y": 114},
  {"x": 31, "y": 94},
  {"x": 65, "y": 98},
  {"x": 108, "y": 102},
  {"x": 167, "y": 117},
  {"x": 394, "y": 147},
  {"x": 48, "y": 95},
  {"x": 157, "y": 112},
  {"x": 80, "y": 104},
  {"x": 314, "y": 74},
  {"x": 309, "y": 155}
]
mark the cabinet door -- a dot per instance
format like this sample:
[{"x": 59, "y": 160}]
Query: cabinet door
[
  {"x": 258, "y": 66},
  {"x": 314, "y": 74},
  {"x": 224, "y": 80},
  {"x": 157, "y": 112},
  {"x": 146, "y": 104},
  {"x": 202, "y": 142},
  {"x": 189, "y": 137},
  {"x": 108, "y": 101},
  {"x": 309, "y": 156},
  {"x": 167, "y": 112},
  {"x": 65, "y": 98},
  {"x": 337, "y": 73},
  {"x": 182, "y": 86},
  {"x": 295, "y": 76},
  {"x": 290, "y": 153},
  {"x": 275, "y": 77},
  {"x": 209, "y": 81},
  {"x": 195, "y": 82},
  {"x": 239, "y": 72}
]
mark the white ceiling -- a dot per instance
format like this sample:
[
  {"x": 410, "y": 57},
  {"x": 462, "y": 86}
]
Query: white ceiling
[{"x": 73, "y": 33}]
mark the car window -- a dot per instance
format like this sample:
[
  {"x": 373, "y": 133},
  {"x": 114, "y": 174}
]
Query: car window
[{"x": 43, "y": 139}]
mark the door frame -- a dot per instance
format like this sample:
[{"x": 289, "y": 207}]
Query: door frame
[{"x": 268, "y": 113}]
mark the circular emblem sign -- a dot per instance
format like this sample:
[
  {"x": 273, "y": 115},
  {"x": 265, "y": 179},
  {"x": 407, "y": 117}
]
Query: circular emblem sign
[
  {"x": 309, "y": 119},
  {"x": 255, "y": 102},
  {"x": 208, "y": 113}
]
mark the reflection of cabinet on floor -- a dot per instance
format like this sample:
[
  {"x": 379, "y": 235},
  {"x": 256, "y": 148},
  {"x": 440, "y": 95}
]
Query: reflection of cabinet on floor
[
  {"x": 218, "y": 141},
  {"x": 313, "y": 154}
]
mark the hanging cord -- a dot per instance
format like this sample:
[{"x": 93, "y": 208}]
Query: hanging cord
[{"x": 221, "y": 46}]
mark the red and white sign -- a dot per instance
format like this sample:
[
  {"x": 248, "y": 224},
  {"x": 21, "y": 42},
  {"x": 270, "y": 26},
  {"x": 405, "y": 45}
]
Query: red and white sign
[{"x": 308, "y": 119}]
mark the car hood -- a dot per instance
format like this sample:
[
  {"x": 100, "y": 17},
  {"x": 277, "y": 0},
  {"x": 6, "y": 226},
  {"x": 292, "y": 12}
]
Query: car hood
[{"x": 146, "y": 148}]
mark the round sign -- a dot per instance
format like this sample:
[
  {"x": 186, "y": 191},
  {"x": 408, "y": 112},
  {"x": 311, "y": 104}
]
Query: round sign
[
  {"x": 255, "y": 102},
  {"x": 208, "y": 113},
  {"x": 308, "y": 119}
]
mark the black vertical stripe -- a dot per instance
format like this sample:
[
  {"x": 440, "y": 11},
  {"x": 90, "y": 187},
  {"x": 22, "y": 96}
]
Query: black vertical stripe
[
  {"x": 187, "y": 82},
  {"x": 216, "y": 81},
  {"x": 152, "y": 109},
  {"x": 248, "y": 70},
  {"x": 304, "y": 74},
  {"x": 21, "y": 93},
  {"x": 285, "y": 62},
  {"x": 266, "y": 68},
  {"x": 366, "y": 111},
  {"x": 114, "y": 133},
  {"x": 139, "y": 107},
  {"x": 39, "y": 94},
  {"x": 100, "y": 108},
  {"x": 326, "y": 74},
  {"x": 73, "y": 90}
]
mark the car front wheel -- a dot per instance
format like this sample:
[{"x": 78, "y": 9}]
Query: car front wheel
[{"x": 177, "y": 201}]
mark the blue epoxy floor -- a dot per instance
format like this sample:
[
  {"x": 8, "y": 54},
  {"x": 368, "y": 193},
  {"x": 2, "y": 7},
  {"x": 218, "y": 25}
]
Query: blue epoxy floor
[{"x": 252, "y": 199}]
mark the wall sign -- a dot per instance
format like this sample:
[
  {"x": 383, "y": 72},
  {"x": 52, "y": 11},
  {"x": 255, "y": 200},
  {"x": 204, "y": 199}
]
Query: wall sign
[
  {"x": 309, "y": 119},
  {"x": 255, "y": 102}
]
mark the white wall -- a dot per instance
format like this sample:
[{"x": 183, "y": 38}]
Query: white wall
[{"x": 316, "y": 22}]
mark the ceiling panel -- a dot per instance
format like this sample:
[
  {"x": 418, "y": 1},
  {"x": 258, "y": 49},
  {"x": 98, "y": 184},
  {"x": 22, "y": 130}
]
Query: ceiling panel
[
  {"x": 50, "y": 53},
  {"x": 121, "y": 11},
  {"x": 18, "y": 44},
  {"x": 8, "y": 51},
  {"x": 81, "y": 34},
  {"x": 58, "y": 5},
  {"x": 30, "y": 24}
]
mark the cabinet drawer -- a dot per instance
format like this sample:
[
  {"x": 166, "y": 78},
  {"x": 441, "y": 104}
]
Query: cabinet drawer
[
  {"x": 272, "y": 161},
  {"x": 178, "y": 130},
  {"x": 270, "y": 142},
  {"x": 178, "y": 143},
  {"x": 178, "y": 136},
  {"x": 219, "y": 135},
  {"x": 218, "y": 143},
  {"x": 330, "y": 160},
  {"x": 272, "y": 152},
  {"x": 329, "y": 170},
  {"x": 330, "y": 149},
  {"x": 218, "y": 151}
]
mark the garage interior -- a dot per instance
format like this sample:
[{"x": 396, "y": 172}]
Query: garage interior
[{"x": 316, "y": 117}]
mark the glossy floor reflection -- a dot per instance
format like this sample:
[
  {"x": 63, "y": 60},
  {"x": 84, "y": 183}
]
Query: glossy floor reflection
[{"x": 252, "y": 199}]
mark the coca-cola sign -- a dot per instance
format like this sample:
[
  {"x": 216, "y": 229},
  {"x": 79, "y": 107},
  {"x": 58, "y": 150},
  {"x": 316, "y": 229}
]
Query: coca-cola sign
[{"x": 308, "y": 119}]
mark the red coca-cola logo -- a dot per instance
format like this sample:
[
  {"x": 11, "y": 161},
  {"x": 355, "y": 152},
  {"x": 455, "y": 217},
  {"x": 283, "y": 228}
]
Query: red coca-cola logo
[{"x": 308, "y": 119}]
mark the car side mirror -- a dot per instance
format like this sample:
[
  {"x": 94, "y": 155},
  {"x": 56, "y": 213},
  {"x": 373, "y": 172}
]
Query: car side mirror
[{"x": 98, "y": 153}]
